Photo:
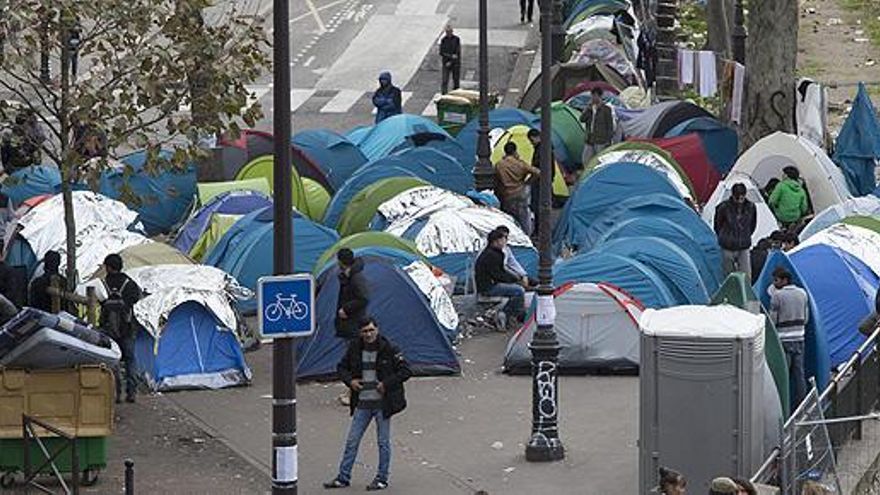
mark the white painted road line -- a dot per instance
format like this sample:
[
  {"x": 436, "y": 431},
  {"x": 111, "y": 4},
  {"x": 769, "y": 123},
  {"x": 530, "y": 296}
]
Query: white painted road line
[
  {"x": 431, "y": 109},
  {"x": 343, "y": 101},
  {"x": 298, "y": 97},
  {"x": 311, "y": 5}
]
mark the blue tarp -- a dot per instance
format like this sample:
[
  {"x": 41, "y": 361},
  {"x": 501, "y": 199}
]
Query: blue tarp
[
  {"x": 337, "y": 157},
  {"x": 843, "y": 289},
  {"x": 245, "y": 250},
  {"x": 392, "y": 133},
  {"x": 817, "y": 359},
  {"x": 858, "y": 145},
  {"x": 673, "y": 265},
  {"x": 229, "y": 203},
  {"x": 720, "y": 141},
  {"x": 601, "y": 190},
  {"x": 405, "y": 317},
  {"x": 162, "y": 198},
  {"x": 193, "y": 352},
  {"x": 31, "y": 181},
  {"x": 626, "y": 273}
]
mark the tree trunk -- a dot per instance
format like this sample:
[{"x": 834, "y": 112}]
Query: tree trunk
[
  {"x": 68, "y": 164},
  {"x": 719, "y": 27},
  {"x": 771, "y": 59}
]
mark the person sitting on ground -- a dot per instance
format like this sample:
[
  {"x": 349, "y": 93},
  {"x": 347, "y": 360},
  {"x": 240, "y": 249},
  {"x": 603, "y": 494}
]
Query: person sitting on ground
[
  {"x": 38, "y": 296},
  {"x": 671, "y": 482},
  {"x": 512, "y": 265},
  {"x": 493, "y": 280},
  {"x": 512, "y": 176},
  {"x": 789, "y": 198}
]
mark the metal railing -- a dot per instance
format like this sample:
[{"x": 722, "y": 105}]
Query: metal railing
[
  {"x": 29, "y": 435},
  {"x": 854, "y": 390}
]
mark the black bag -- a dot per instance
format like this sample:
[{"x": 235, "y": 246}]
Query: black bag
[{"x": 116, "y": 314}]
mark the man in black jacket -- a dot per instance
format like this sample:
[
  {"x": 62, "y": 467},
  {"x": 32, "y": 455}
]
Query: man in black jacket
[
  {"x": 374, "y": 369},
  {"x": 735, "y": 222},
  {"x": 450, "y": 58},
  {"x": 121, "y": 293},
  {"x": 39, "y": 296},
  {"x": 351, "y": 305},
  {"x": 494, "y": 280}
]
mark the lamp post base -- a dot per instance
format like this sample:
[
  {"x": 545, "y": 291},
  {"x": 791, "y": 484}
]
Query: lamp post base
[{"x": 543, "y": 449}]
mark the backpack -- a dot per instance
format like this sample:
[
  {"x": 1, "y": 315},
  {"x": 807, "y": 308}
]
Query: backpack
[{"x": 116, "y": 315}]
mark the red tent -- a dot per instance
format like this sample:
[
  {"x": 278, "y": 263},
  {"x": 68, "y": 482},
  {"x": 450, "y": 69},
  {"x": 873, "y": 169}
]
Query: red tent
[{"x": 688, "y": 151}]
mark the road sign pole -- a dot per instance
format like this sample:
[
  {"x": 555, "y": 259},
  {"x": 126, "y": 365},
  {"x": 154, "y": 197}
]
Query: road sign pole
[{"x": 284, "y": 445}]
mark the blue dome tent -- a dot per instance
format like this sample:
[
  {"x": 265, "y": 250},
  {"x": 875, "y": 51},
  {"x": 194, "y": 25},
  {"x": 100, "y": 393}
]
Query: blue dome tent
[
  {"x": 382, "y": 139},
  {"x": 450, "y": 147},
  {"x": 229, "y": 203},
  {"x": 335, "y": 154},
  {"x": 25, "y": 183},
  {"x": 404, "y": 315},
  {"x": 817, "y": 358},
  {"x": 194, "y": 351},
  {"x": 858, "y": 145},
  {"x": 628, "y": 274},
  {"x": 601, "y": 190},
  {"x": 162, "y": 198},
  {"x": 720, "y": 141},
  {"x": 245, "y": 251}
]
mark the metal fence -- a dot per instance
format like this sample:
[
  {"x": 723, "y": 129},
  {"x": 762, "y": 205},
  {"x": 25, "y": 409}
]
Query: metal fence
[{"x": 838, "y": 414}]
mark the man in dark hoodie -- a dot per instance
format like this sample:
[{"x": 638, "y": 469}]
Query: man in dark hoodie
[
  {"x": 351, "y": 305},
  {"x": 387, "y": 99},
  {"x": 735, "y": 221},
  {"x": 789, "y": 198},
  {"x": 38, "y": 296}
]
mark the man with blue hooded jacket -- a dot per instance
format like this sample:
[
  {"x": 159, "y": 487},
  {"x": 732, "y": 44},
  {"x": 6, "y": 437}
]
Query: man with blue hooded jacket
[{"x": 387, "y": 99}]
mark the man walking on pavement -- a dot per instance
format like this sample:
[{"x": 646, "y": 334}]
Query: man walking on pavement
[
  {"x": 526, "y": 7},
  {"x": 512, "y": 176},
  {"x": 735, "y": 221},
  {"x": 374, "y": 369},
  {"x": 598, "y": 119},
  {"x": 117, "y": 320},
  {"x": 351, "y": 304},
  {"x": 387, "y": 99},
  {"x": 790, "y": 312},
  {"x": 450, "y": 57}
]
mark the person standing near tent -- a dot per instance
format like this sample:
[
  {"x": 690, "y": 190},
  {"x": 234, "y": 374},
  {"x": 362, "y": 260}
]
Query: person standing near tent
[
  {"x": 374, "y": 369},
  {"x": 351, "y": 304},
  {"x": 534, "y": 136},
  {"x": 790, "y": 312},
  {"x": 117, "y": 320},
  {"x": 598, "y": 119},
  {"x": 526, "y": 8},
  {"x": 512, "y": 175},
  {"x": 789, "y": 198},
  {"x": 387, "y": 99},
  {"x": 450, "y": 58},
  {"x": 38, "y": 296},
  {"x": 735, "y": 221},
  {"x": 495, "y": 281}
]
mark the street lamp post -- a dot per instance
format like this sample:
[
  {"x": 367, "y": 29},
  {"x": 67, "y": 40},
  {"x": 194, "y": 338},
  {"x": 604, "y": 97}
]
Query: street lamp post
[
  {"x": 284, "y": 444},
  {"x": 739, "y": 33},
  {"x": 484, "y": 173},
  {"x": 544, "y": 444}
]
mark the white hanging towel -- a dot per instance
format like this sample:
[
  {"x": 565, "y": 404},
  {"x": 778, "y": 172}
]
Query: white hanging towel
[
  {"x": 739, "y": 76},
  {"x": 685, "y": 67},
  {"x": 708, "y": 76}
]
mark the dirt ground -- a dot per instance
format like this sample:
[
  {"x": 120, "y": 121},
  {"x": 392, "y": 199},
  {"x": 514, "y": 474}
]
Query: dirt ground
[{"x": 834, "y": 48}]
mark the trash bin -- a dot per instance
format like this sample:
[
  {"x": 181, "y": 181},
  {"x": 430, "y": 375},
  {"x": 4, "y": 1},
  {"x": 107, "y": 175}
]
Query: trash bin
[{"x": 459, "y": 107}]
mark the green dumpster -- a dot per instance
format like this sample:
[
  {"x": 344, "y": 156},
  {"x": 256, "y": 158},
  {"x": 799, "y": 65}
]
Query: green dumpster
[
  {"x": 91, "y": 455},
  {"x": 459, "y": 107}
]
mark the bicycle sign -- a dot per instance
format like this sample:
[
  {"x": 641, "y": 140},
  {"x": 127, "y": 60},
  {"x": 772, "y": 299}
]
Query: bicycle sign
[{"x": 285, "y": 306}]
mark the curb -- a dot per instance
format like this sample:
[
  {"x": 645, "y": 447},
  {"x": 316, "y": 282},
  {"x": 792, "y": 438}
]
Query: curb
[{"x": 519, "y": 78}]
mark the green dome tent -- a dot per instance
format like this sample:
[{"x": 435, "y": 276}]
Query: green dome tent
[
  {"x": 567, "y": 123},
  {"x": 210, "y": 190},
  {"x": 262, "y": 167},
  {"x": 317, "y": 198},
  {"x": 362, "y": 207},
  {"x": 870, "y": 223},
  {"x": 367, "y": 239}
]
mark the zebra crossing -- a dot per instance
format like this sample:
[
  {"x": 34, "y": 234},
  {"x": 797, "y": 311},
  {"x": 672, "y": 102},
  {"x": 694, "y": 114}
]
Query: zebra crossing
[{"x": 342, "y": 101}]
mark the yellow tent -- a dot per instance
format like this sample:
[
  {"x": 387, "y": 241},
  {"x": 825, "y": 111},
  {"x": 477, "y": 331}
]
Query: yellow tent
[
  {"x": 220, "y": 224},
  {"x": 316, "y": 197},
  {"x": 519, "y": 135},
  {"x": 263, "y": 167},
  {"x": 208, "y": 190}
]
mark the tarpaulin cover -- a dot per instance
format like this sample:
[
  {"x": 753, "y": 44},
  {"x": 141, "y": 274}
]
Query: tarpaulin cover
[
  {"x": 688, "y": 152},
  {"x": 645, "y": 154},
  {"x": 28, "y": 182},
  {"x": 358, "y": 215},
  {"x": 766, "y": 159},
  {"x": 720, "y": 141},
  {"x": 843, "y": 300},
  {"x": 192, "y": 352},
  {"x": 817, "y": 358},
  {"x": 766, "y": 221},
  {"x": 101, "y": 228},
  {"x": 229, "y": 203},
  {"x": 673, "y": 265},
  {"x": 601, "y": 190},
  {"x": 404, "y": 315},
  {"x": 857, "y": 148},
  {"x": 596, "y": 326},
  {"x": 626, "y": 273},
  {"x": 865, "y": 205},
  {"x": 608, "y": 53},
  {"x": 334, "y": 153},
  {"x": 160, "y": 193},
  {"x": 245, "y": 251},
  {"x": 418, "y": 202},
  {"x": 438, "y": 298},
  {"x": 386, "y": 136}
]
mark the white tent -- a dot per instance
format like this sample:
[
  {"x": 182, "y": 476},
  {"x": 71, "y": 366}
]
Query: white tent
[
  {"x": 857, "y": 241},
  {"x": 766, "y": 224},
  {"x": 766, "y": 159},
  {"x": 597, "y": 327},
  {"x": 862, "y": 206}
]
